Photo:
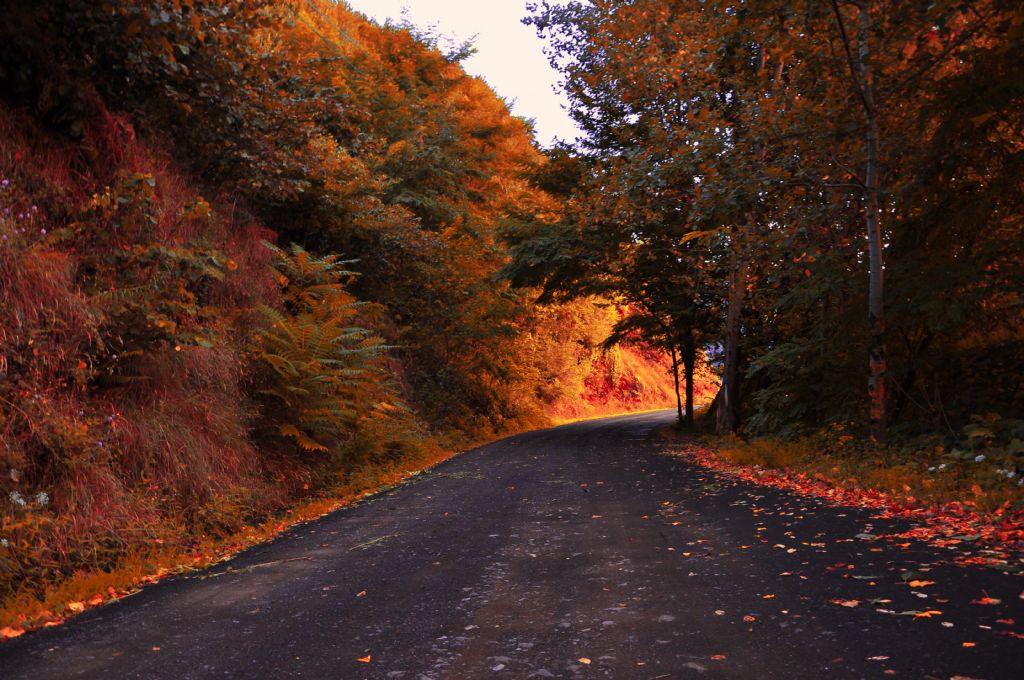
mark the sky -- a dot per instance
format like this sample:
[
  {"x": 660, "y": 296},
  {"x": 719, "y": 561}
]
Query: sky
[{"x": 509, "y": 56}]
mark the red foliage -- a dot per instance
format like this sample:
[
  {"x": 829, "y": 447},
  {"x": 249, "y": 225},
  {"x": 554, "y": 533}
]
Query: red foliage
[{"x": 943, "y": 525}]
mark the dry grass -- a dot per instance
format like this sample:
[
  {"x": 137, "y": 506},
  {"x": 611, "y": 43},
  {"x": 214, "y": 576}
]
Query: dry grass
[
  {"x": 29, "y": 608},
  {"x": 915, "y": 473}
]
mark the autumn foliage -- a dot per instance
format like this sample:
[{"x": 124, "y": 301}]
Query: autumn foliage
[
  {"x": 171, "y": 367},
  {"x": 749, "y": 171}
]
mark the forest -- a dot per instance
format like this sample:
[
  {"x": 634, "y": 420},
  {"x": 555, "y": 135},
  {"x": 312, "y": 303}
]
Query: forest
[{"x": 260, "y": 255}]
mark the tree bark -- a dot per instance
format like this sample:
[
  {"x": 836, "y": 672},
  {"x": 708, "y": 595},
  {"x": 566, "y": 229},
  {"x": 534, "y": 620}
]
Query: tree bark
[
  {"x": 860, "y": 70},
  {"x": 689, "y": 364},
  {"x": 727, "y": 414},
  {"x": 872, "y": 217},
  {"x": 675, "y": 376}
]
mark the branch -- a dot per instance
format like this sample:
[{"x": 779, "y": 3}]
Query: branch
[
  {"x": 849, "y": 58},
  {"x": 848, "y": 170}
]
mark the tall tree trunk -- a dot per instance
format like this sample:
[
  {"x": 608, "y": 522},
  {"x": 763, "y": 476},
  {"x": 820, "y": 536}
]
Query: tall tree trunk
[
  {"x": 727, "y": 414},
  {"x": 872, "y": 217},
  {"x": 675, "y": 376},
  {"x": 860, "y": 69},
  {"x": 689, "y": 363}
]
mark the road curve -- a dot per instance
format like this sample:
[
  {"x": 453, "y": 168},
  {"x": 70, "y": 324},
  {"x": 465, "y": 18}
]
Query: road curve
[{"x": 574, "y": 552}]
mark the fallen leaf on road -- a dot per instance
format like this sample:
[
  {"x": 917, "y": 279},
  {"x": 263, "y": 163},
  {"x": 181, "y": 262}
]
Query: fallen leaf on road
[
  {"x": 584, "y": 660},
  {"x": 361, "y": 593},
  {"x": 878, "y": 658},
  {"x": 987, "y": 600},
  {"x": 768, "y": 597},
  {"x": 365, "y": 659},
  {"x": 718, "y": 657},
  {"x": 847, "y": 603},
  {"x": 921, "y": 584},
  {"x": 969, "y": 644},
  {"x": 748, "y": 618},
  {"x": 927, "y": 614}
]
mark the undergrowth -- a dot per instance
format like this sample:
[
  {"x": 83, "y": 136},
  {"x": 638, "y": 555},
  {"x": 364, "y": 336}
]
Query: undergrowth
[{"x": 983, "y": 463}]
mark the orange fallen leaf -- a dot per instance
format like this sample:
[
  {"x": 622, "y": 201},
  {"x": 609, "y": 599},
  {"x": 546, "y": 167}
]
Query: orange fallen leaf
[
  {"x": 365, "y": 659},
  {"x": 921, "y": 584},
  {"x": 361, "y": 593},
  {"x": 847, "y": 603},
  {"x": 768, "y": 597},
  {"x": 718, "y": 657},
  {"x": 95, "y": 600},
  {"x": 969, "y": 644},
  {"x": 584, "y": 660},
  {"x": 76, "y": 607},
  {"x": 8, "y": 632},
  {"x": 987, "y": 600},
  {"x": 748, "y": 618},
  {"x": 928, "y": 614}
]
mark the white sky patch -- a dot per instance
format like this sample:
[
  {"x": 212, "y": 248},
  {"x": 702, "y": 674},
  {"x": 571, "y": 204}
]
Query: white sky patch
[{"x": 509, "y": 56}]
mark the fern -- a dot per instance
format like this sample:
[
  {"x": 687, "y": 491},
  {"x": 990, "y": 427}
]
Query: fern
[{"x": 324, "y": 368}]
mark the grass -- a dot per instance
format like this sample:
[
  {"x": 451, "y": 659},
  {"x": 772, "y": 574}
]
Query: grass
[
  {"x": 921, "y": 472},
  {"x": 28, "y": 609}
]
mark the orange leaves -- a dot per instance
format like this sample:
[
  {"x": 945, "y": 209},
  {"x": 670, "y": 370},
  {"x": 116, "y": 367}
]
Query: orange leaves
[
  {"x": 927, "y": 614},
  {"x": 920, "y": 584},
  {"x": 365, "y": 659},
  {"x": 987, "y": 601},
  {"x": 584, "y": 660},
  {"x": 8, "y": 633},
  {"x": 847, "y": 603}
]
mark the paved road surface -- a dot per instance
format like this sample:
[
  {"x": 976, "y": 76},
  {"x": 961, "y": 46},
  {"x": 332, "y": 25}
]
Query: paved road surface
[{"x": 524, "y": 558}]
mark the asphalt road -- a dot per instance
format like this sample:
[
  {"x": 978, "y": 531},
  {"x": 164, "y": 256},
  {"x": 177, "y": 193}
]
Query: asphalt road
[{"x": 574, "y": 552}]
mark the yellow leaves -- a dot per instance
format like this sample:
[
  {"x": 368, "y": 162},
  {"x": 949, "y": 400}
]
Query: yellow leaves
[
  {"x": 584, "y": 660},
  {"x": 301, "y": 438},
  {"x": 397, "y": 148}
]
